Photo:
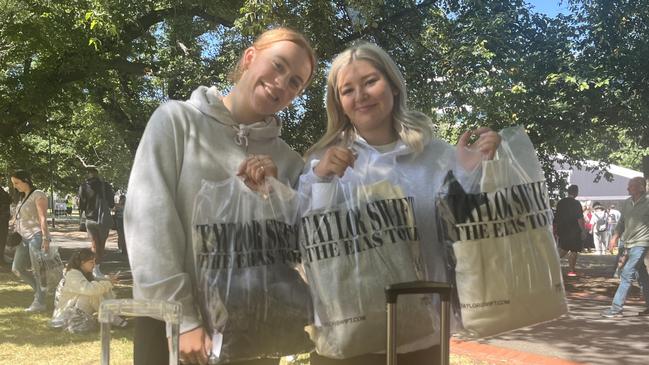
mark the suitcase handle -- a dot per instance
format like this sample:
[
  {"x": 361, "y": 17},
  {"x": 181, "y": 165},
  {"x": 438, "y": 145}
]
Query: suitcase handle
[
  {"x": 417, "y": 287},
  {"x": 393, "y": 291}
]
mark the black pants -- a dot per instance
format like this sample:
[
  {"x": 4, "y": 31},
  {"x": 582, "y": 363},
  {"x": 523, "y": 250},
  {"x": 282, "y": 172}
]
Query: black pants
[
  {"x": 121, "y": 240},
  {"x": 150, "y": 345},
  {"x": 428, "y": 356},
  {"x": 98, "y": 234}
]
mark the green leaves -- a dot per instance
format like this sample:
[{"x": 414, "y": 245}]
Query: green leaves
[
  {"x": 96, "y": 43},
  {"x": 518, "y": 88},
  {"x": 105, "y": 65}
]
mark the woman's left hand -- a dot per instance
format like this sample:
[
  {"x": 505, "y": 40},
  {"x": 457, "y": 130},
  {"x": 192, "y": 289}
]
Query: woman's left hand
[
  {"x": 254, "y": 170},
  {"x": 484, "y": 148},
  {"x": 45, "y": 245}
]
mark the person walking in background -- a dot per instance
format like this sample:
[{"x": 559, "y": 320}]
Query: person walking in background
[
  {"x": 613, "y": 217},
  {"x": 633, "y": 229},
  {"x": 69, "y": 204},
  {"x": 30, "y": 221},
  {"x": 570, "y": 228},
  {"x": 5, "y": 206},
  {"x": 96, "y": 198},
  {"x": 599, "y": 228},
  {"x": 119, "y": 224},
  {"x": 588, "y": 243}
]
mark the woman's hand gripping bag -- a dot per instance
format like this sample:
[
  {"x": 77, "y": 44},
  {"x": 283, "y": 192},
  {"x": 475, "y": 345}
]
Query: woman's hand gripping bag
[
  {"x": 358, "y": 234},
  {"x": 507, "y": 268},
  {"x": 47, "y": 267},
  {"x": 251, "y": 295}
]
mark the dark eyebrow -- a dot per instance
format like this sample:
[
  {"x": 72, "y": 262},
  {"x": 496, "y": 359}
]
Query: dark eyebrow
[{"x": 286, "y": 63}]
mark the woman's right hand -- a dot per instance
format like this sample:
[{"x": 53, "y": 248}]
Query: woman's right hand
[
  {"x": 114, "y": 279},
  {"x": 254, "y": 170},
  {"x": 195, "y": 346},
  {"x": 334, "y": 162}
]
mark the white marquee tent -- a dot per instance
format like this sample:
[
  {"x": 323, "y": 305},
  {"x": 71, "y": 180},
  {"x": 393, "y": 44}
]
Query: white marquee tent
[{"x": 603, "y": 191}]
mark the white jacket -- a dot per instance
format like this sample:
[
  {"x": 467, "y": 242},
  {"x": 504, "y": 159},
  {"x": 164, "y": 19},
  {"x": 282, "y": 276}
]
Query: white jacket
[
  {"x": 83, "y": 294},
  {"x": 184, "y": 143}
]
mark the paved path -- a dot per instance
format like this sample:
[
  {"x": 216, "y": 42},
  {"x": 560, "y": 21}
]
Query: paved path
[
  {"x": 580, "y": 337},
  {"x": 67, "y": 236}
]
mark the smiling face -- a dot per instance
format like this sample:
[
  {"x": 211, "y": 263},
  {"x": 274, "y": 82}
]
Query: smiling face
[
  {"x": 273, "y": 77},
  {"x": 367, "y": 99}
]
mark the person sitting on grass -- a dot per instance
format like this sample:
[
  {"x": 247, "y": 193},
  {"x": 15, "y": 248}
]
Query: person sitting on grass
[{"x": 79, "y": 295}]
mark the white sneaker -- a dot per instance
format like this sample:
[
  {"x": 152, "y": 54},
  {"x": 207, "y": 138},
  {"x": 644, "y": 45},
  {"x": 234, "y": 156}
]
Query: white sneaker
[
  {"x": 97, "y": 273},
  {"x": 36, "y": 307}
]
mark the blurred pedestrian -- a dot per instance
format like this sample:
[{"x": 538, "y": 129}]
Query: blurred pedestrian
[
  {"x": 96, "y": 199},
  {"x": 570, "y": 228},
  {"x": 119, "y": 224},
  {"x": 5, "y": 204},
  {"x": 69, "y": 204},
  {"x": 588, "y": 241},
  {"x": 599, "y": 228},
  {"x": 30, "y": 221},
  {"x": 613, "y": 217},
  {"x": 633, "y": 229}
]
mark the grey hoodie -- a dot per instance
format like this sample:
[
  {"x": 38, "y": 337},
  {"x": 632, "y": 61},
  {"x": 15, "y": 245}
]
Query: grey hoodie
[{"x": 184, "y": 143}]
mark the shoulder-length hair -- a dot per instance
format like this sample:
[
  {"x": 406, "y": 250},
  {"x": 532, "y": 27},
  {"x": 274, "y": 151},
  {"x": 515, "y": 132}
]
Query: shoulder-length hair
[
  {"x": 414, "y": 128},
  {"x": 79, "y": 258},
  {"x": 26, "y": 177}
]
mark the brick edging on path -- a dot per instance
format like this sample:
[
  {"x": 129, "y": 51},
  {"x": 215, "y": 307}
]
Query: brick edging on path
[{"x": 499, "y": 355}]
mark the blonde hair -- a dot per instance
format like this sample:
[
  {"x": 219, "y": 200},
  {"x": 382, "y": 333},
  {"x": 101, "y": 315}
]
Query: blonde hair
[
  {"x": 272, "y": 36},
  {"x": 414, "y": 128}
]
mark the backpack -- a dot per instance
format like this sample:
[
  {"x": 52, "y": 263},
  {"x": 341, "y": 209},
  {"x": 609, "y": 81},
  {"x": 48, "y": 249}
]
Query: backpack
[
  {"x": 602, "y": 223},
  {"x": 613, "y": 218}
]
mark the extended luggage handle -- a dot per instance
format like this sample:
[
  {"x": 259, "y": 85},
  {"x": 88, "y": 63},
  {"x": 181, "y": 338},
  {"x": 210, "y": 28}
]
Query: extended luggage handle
[
  {"x": 168, "y": 311},
  {"x": 393, "y": 291}
]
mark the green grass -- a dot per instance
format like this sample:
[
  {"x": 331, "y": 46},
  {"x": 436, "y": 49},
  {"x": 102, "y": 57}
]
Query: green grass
[{"x": 26, "y": 338}]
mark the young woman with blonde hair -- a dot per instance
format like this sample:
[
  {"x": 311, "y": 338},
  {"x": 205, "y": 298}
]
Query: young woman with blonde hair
[{"x": 371, "y": 130}]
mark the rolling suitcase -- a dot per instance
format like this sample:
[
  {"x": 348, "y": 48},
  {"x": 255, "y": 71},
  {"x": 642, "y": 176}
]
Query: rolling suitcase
[
  {"x": 170, "y": 312},
  {"x": 393, "y": 291}
]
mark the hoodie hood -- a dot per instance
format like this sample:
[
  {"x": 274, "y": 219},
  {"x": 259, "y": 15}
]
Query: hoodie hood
[{"x": 209, "y": 101}]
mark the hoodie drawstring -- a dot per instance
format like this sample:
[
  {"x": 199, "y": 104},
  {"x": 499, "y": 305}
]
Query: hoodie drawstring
[{"x": 241, "y": 138}]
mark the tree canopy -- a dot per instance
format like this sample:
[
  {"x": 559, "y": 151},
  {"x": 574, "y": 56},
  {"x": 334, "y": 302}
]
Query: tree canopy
[{"x": 79, "y": 78}]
